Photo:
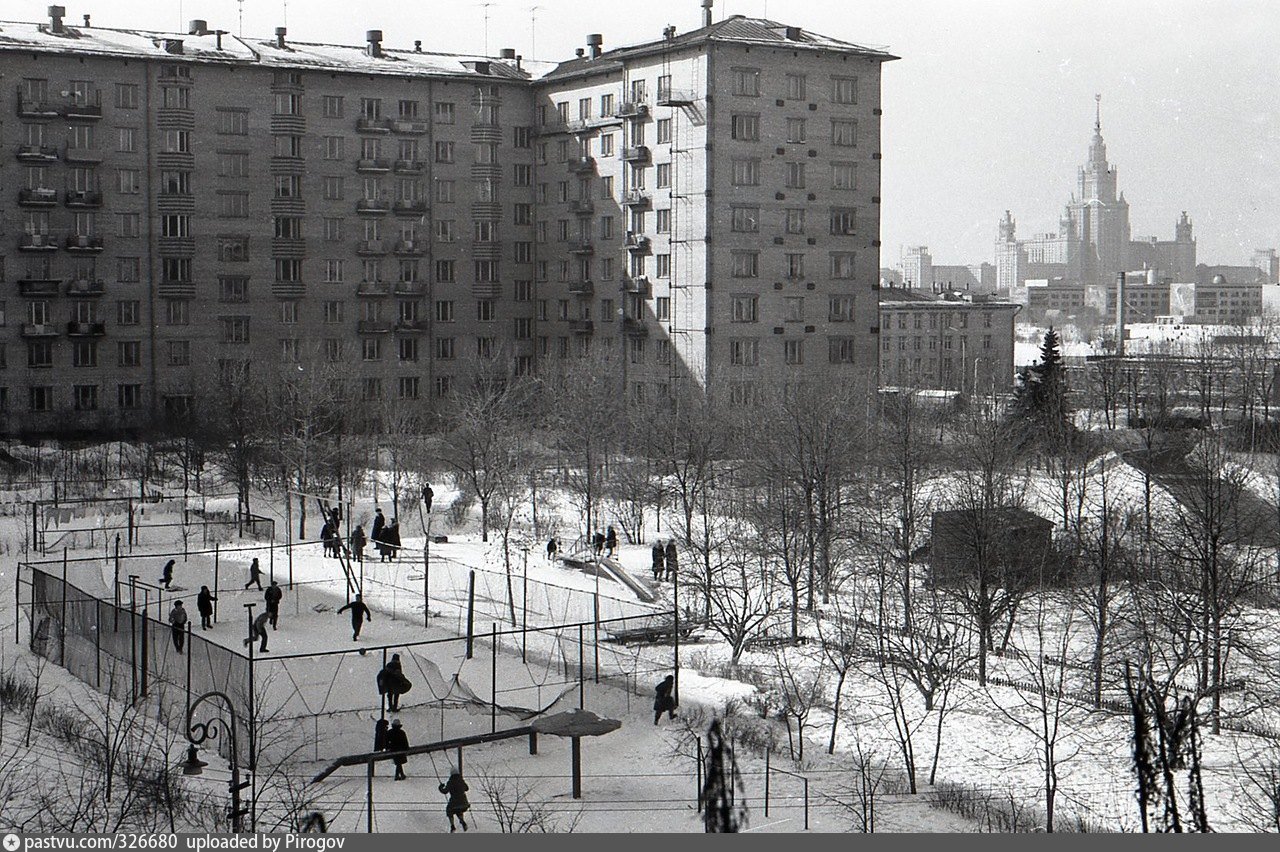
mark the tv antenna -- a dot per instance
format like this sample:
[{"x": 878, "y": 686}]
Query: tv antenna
[
  {"x": 486, "y": 6},
  {"x": 533, "y": 31}
]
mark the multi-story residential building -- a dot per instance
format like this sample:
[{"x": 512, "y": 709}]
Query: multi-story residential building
[
  {"x": 948, "y": 341},
  {"x": 181, "y": 201}
]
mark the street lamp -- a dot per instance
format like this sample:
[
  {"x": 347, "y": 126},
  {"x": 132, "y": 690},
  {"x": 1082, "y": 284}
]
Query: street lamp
[{"x": 200, "y": 732}]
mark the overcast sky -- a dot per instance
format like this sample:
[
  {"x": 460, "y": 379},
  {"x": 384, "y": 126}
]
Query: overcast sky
[{"x": 991, "y": 106}]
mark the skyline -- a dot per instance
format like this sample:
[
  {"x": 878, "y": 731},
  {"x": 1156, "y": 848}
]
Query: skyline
[{"x": 985, "y": 111}]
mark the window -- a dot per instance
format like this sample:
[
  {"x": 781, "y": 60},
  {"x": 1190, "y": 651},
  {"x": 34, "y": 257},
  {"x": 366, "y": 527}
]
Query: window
[
  {"x": 408, "y": 109},
  {"x": 371, "y": 349},
  {"x": 179, "y": 353},
  {"x": 746, "y": 172},
  {"x": 128, "y": 181},
  {"x": 794, "y": 309},
  {"x": 289, "y": 145},
  {"x": 796, "y": 87},
  {"x": 840, "y": 350},
  {"x": 662, "y": 308},
  {"x": 176, "y": 270},
  {"x": 522, "y": 137},
  {"x": 288, "y": 186},
  {"x": 39, "y": 353},
  {"x": 744, "y": 353},
  {"x": 233, "y": 122},
  {"x": 233, "y": 288},
  {"x": 289, "y": 350},
  {"x": 794, "y": 220},
  {"x": 485, "y": 271},
  {"x": 334, "y": 188},
  {"x": 745, "y": 220},
  {"x": 129, "y": 396},
  {"x": 126, "y": 140},
  {"x": 407, "y": 349},
  {"x": 40, "y": 398},
  {"x": 129, "y": 270},
  {"x": 795, "y": 175},
  {"x": 235, "y": 329},
  {"x": 333, "y": 349},
  {"x": 333, "y": 230},
  {"x": 175, "y": 97},
  {"x": 287, "y": 228},
  {"x": 522, "y": 175},
  {"x": 662, "y": 175},
  {"x": 445, "y": 348},
  {"x": 745, "y": 128},
  {"x": 332, "y": 105},
  {"x": 844, "y": 90},
  {"x": 444, "y": 310},
  {"x": 371, "y": 389},
  {"x": 444, "y": 192},
  {"x": 130, "y": 224},
  {"x": 126, "y": 96},
  {"x": 843, "y": 221},
  {"x": 234, "y": 205},
  {"x": 795, "y": 130},
  {"x": 746, "y": 82},
  {"x": 793, "y": 352},
  {"x": 795, "y": 267},
  {"x": 233, "y": 164},
  {"x": 844, "y": 132},
  {"x": 841, "y": 309},
  {"x": 606, "y": 104},
  {"x": 175, "y": 183},
  {"x": 844, "y": 175},
  {"x": 746, "y": 308},
  {"x": 233, "y": 249},
  {"x": 842, "y": 264},
  {"x": 442, "y": 112},
  {"x": 485, "y": 310},
  {"x": 371, "y": 108},
  {"x": 334, "y": 147},
  {"x": 288, "y": 270},
  {"x": 664, "y": 131},
  {"x": 444, "y": 152}
]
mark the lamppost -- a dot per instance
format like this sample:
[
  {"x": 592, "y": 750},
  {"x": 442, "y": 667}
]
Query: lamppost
[{"x": 200, "y": 732}]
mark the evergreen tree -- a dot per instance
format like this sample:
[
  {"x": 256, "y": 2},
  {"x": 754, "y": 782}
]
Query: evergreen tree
[{"x": 1040, "y": 399}]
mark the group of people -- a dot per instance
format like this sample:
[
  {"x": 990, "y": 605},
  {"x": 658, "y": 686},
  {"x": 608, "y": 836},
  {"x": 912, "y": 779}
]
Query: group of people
[
  {"x": 605, "y": 542},
  {"x": 665, "y": 561},
  {"x": 385, "y": 537},
  {"x": 392, "y": 737},
  {"x": 205, "y": 599}
]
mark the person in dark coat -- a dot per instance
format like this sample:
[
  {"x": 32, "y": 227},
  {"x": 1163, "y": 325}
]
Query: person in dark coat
[
  {"x": 398, "y": 740},
  {"x": 166, "y": 573},
  {"x": 552, "y": 547},
  {"x": 359, "y": 612},
  {"x": 379, "y": 738},
  {"x": 258, "y": 630},
  {"x": 272, "y": 595},
  {"x": 255, "y": 575},
  {"x": 204, "y": 603},
  {"x": 427, "y": 497},
  {"x": 375, "y": 532},
  {"x": 178, "y": 624},
  {"x": 658, "y": 567},
  {"x": 326, "y": 533},
  {"x": 392, "y": 683},
  {"x": 457, "y": 806},
  {"x": 391, "y": 538},
  {"x": 611, "y": 541},
  {"x": 597, "y": 543},
  {"x": 663, "y": 700},
  {"x": 357, "y": 543},
  {"x": 672, "y": 561}
]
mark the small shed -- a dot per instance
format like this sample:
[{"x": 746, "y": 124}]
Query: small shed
[{"x": 1009, "y": 542}]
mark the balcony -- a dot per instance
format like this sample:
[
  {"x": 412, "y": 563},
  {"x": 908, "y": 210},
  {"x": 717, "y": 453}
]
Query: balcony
[
  {"x": 373, "y": 165},
  {"x": 637, "y": 198},
  {"x": 43, "y": 329},
  {"x": 416, "y": 325},
  {"x": 37, "y": 154},
  {"x": 583, "y": 206},
  {"x": 411, "y": 248},
  {"x": 83, "y": 243},
  {"x": 374, "y": 288},
  {"x": 86, "y": 329},
  {"x": 410, "y": 167},
  {"x": 638, "y": 284},
  {"x": 636, "y": 154},
  {"x": 632, "y": 109},
  {"x": 410, "y": 288},
  {"x": 635, "y": 325},
  {"x": 84, "y": 105},
  {"x": 581, "y": 326},
  {"x": 370, "y": 248},
  {"x": 373, "y": 327},
  {"x": 86, "y": 287},
  {"x": 81, "y": 199},
  {"x": 584, "y": 289},
  {"x": 637, "y": 243},
  {"x": 410, "y": 207},
  {"x": 373, "y": 125},
  {"x": 583, "y": 248},
  {"x": 37, "y": 242},
  {"x": 582, "y": 165},
  {"x": 675, "y": 97},
  {"x": 410, "y": 125},
  {"x": 39, "y": 286},
  {"x": 81, "y": 155},
  {"x": 373, "y": 206},
  {"x": 39, "y": 197},
  {"x": 35, "y": 107}
]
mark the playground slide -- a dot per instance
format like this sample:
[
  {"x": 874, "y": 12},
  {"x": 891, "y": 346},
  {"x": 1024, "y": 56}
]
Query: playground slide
[{"x": 614, "y": 568}]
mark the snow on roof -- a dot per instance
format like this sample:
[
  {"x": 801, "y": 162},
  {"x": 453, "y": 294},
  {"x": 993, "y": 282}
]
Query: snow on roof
[{"x": 204, "y": 48}]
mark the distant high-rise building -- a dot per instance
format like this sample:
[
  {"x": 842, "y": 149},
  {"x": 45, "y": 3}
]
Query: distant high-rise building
[
  {"x": 1269, "y": 263},
  {"x": 917, "y": 267}
]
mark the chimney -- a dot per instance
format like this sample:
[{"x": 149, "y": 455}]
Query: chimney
[
  {"x": 578, "y": 52},
  {"x": 56, "y": 14},
  {"x": 793, "y": 33},
  {"x": 198, "y": 27},
  {"x": 706, "y": 12},
  {"x": 172, "y": 45},
  {"x": 86, "y": 21},
  {"x": 595, "y": 41},
  {"x": 507, "y": 53},
  {"x": 417, "y": 45},
  {"x": 669, "y": 33},
  {"x": 281, "y": 32},
  {"x": 374, "y": 38},
  {"x": 1120, "y": 317},
  {"x": 219, "y": 34}
]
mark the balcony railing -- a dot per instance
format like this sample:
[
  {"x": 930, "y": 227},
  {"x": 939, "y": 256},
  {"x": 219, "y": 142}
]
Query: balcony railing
[
  {"x": 373, "y": 164},
  {"x": 412, "y": 325},
  {"x": 39, "y": 197},
  {"x": 582, "y": 248},
  {"x": 374, "y": 288},
  {"x": 43, "y": 329},
  {"x": 632, "y": 109},
  {"x": 415, "y": 206},
  {"x": 637, "y": 198},
  {"x": 371, "y": 247},
  {"x": 36, "y": 107},
  {"x": 580, "y": 165},
  {"x": 676, "y": 97},
  {"x": 410, "y": 167},
  {"x": 638, "y": 284},
  {"x": 373, "y": 327},
  {"x": 373, "y": 205},
  {"x": 83, "y": 242},
  {"x": 82, "y": 155},
  {"x": 37, "y": 153},
  {"x": 636, "y": 154},
  {"x": 582, "y": 288},
  {"x": 410, "y": 288},
  {"x": 37, "y": 242},
  {"x": 365, "y": 124},
  {"x": 83, "y": 198},
  {"x": 410, "y": 125},
  {"x": 86, "y": 287},
  {"x": 411, "y": 248},
  {"x": 86, "y": 329},
  {"x": 39, "y": 286},
  {"x": 84, "y": 105},
  {"x": 581, "y": 326},
  {"x": 582, "y": 206},
  {"x": 637, "y": 243},
  {"x": 634, "y": 325}
]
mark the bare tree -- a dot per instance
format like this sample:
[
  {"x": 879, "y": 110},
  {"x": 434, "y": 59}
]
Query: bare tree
[{"x": 801, "y": 687}]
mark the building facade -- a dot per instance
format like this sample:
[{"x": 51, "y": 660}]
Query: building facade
[
  {"x": 949, "y": 341},
  {"x": 188, "y": 201}
]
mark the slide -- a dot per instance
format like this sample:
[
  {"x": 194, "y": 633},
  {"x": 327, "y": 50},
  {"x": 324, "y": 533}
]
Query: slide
[{"x": 614, "y": 569}]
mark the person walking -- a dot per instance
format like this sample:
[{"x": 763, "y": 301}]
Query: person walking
[
  {"x": 658, "y": 567},
  {"x": 358, "y": 542},
  {"x": 379, "y": 738},
  {"x": 272, "y": 595},
  {"x": 178, "y": 625},
  {"x": 391, "y": 538},
  {"x": 552, "y": 547},
  {"x": 427, "y": 497},
  {"x": 375, "y": 532},
  {"x": 672, "y": 560},
  {"x": 255, "y": 575},
  {"x": 611, "y": 542},
  {"x": 204, "y": 603},
  {"x": 359, "y": 612},
  {"x": 392, "y": 683},
  {"x": 398, "y": 740},
  {"x": 166, "y": 573},
  {"x": 457, "y": 806},
  {"x": 663, "y": 700},
  {"x": 258, "y": 630},
  {"x": 597, "y": 543}
]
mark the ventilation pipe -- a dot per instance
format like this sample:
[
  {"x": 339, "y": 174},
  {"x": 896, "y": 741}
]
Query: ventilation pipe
[
  {"x": 281, "y": 32},
  {"x": 86, "y": 21},
  {"x": 669, "y": 33},
  {"x": 519, "y": 59},
  {"x": 56, "y": 14},
  {"x": 595, "y": 42},
  {"x": 374, "y": 38},
  {"x": 417, "y": 45},
  {"x": 507, "y": 53},
  {"x": 219, "y": 34},
  {"x": 706, "y": 12},
  {"x": 198, "y": 27},
  {"x": 579, "y": 52}
]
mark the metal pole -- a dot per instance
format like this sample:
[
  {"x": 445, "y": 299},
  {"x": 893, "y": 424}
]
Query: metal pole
[
  {"x": 188, "y": 665},
  {"x": 369, "y": 799},
  {"x": 288, "y": 511},
  {"x": 383, "y": 695},
  {"x": 675, "y": 613},
  {"x": 426, "y": 581},
  {"x": 116, "y": 614},
  {"x": 253, "y": 757},
  {"x": 767, "y": 749},
  {"x": 471, "y": 613},
  {"x": 216, "y": 565},
  {"x": 582, "y": 680},
  {"x": 806, "y": 804},
  {"x": 699, "y": 774},
  {"x": 524, "y": 611},
  {"x": 271, "y": 561},
  {"x": 596, "y": 639},
  {"x": 146, "y": 632},
  {"x": 575, "y": 751},
  {"x": 62, "y": 642},
  {"x": 133, "y": 638},
  {"x": 493, "y": 679}
]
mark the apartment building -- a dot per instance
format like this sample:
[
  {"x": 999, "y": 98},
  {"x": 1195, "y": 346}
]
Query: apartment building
[
  {"x": 946, "y": 341},
  {"x": 177, "y": 202}
]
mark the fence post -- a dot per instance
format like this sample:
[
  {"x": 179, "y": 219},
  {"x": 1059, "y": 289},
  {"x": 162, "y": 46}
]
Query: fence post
[
  {"x": 767, "y": 749},
  {"x": 116, "y": 594},
  {"x": 369, "y": 798},
  {"x": 288, "y": 530},
  {"x": 493, "y": 679},
  {"x": 146, "y": 641},
  {"x": 806, "y": 804},
  {"x": 62, "y": 641},
  {"x": 699, "y": 774},
  {"x": 471, "y": 613},
  {"x": 133, "y": 639},
  {"x": 582, "y": 680},
  {"x": 217, "y": 563},
  {"x": 524, "y": 611},
  {"x": 595, "y": 603},
  {"x": 188, "y": 665}
]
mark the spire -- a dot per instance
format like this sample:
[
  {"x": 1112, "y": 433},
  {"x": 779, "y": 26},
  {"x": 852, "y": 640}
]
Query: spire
[
  {"x": 1097, "y": 120},
  {"x": 1097, "y": 148}
]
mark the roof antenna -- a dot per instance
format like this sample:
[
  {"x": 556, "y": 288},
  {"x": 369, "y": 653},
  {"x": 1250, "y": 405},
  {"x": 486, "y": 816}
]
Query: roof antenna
[
  {"x": 533, "y": 31},
  {"x": 486, "y": 6},
  {"x": 241, "y": 4}
]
